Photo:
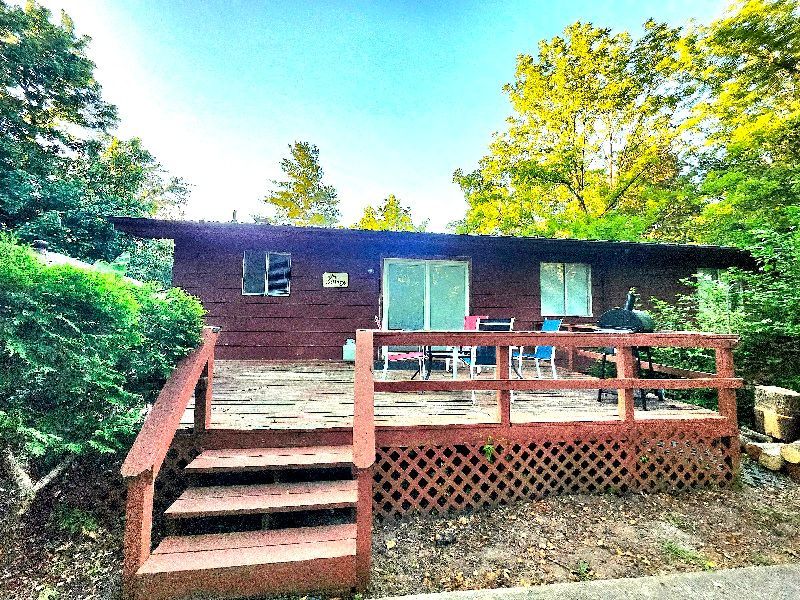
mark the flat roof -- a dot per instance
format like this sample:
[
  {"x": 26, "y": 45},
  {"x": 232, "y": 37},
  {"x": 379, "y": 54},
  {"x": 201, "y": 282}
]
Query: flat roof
[{"x": 218, "y": 232}]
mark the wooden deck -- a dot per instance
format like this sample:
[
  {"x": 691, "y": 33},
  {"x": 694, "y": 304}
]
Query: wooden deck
[{"x": 311, "y": 395}]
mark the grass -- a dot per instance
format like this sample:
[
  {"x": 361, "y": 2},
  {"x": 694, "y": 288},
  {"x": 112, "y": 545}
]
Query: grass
[
  {"x": 692, "y": 557},
  {"x": 583, "y": 570},
  {"x": 680, "y": 521}
]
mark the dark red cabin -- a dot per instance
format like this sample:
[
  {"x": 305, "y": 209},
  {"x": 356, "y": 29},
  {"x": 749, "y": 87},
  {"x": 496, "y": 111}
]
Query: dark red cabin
[{"x": 300, "y": 293}]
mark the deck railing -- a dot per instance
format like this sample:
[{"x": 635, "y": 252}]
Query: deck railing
[
  {"x": 626, "y": 382},
  {"x": 192, "y": 376}
]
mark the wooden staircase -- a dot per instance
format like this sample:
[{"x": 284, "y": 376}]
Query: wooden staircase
[
  {"x": 260, "y": 520},
  {"x": 264, "y": 561}
]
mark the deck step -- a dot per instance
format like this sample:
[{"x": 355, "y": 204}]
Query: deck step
[
  {"x": 251, "y": 563},
  {"x": 258, "y": 459},
  {"x": 263, "y": 498}
]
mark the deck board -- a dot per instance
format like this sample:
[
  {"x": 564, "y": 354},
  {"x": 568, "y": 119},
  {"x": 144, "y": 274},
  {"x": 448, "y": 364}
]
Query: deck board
[{"x": 316, "y": 394}]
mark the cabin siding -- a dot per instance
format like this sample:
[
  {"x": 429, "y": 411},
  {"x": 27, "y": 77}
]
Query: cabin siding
[{"x": 313, "y": 322}]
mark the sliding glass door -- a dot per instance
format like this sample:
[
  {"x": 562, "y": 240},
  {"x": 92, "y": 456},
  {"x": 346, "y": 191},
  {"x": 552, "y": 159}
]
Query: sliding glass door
[{"x": 425, "y": 294}]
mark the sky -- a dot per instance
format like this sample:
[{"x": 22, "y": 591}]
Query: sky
[{"x": 396, "y": 95}]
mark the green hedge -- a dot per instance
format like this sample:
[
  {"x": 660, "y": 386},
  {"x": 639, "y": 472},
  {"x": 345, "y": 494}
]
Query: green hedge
[{"x": 81, "y": 352}]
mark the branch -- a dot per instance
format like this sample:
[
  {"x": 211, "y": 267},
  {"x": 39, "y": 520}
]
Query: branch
[
  {"x": 54, "y": 472},
  {"x": 615, "y": 197},
  {"x": 18, "y": 474}
]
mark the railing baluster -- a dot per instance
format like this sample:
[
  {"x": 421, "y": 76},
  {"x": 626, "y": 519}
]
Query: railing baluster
[
  {"x": 202, "y": 399},
  {"x": 626, "y": 369},
  {"x": 726, "y": 397},
  {"x": 501, "y": 371},
  {"x": 364, "y": 402}
]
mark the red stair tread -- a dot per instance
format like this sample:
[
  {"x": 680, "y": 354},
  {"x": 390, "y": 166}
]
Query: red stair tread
[
  {"x": 263, "y": 498},
  {"x": 204, "y": 560},
  {"x": 255, "y": 539},
  {"x": 271, "y": 458}
]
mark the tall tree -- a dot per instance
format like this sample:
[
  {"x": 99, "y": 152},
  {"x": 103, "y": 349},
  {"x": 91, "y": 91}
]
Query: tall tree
[
  {"x": 749, "y": 116},
  {"x": 390, "y": 215},
  {"x": 61, "y": 172},
  {"x": 592, "y": 149},
  {"x": 302, "y": 198}
]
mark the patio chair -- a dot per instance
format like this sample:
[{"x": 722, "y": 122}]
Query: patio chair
[
  {"x": 452, "y": 354},
  {"x": 540, "y": 353},
  {"x": 486, "y": 356},
  {"x": 398, "y": 353}
]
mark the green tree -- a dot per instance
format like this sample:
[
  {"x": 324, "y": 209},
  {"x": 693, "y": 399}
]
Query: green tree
[
  {"x": 49, "y": 97},
  {"x": 61, "y": 173},
  {"x": 389, "y": 216},
  {"x": 593, "y": 146},
  {"x": 748, "y": 115},
  {"x": 302, "y": 198}
]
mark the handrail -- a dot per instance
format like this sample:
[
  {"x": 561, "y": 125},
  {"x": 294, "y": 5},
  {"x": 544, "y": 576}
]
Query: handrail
[
  {"x": 627, "y": 380},
  {"x": 151, "y": 445},
  {"x": 561, "y": 339},
  {"x": 147, "y": 454}
]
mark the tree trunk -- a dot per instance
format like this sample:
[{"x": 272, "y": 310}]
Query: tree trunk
[{"x": 26, "y": 489}]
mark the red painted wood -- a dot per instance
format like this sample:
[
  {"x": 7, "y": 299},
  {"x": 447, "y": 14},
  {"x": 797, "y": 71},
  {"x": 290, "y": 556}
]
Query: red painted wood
[
  {"x": 504, "y": 279},
  {"x": 138, "y": 528},
  {"x": 257, "y": 459},
  {"x": 202, "y": 398},
  {"x": 264, "y": 498},
  {"x": 589, "y": 383},
  {"x": 364, "y": 402},
  {"x": 256, "y": 539},
  {"x": 363, "y": 527},
  {"x": 559, "y": 339},
  {"x": 626, "y": 370},
  {"x": 336, "y": 574},
  {"x": 726, "y": 397},
  {"x": 501, "y": 371},
  {"x": 155, "y": 436}
]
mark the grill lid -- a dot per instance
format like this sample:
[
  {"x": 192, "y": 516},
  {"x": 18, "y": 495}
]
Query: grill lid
[{"x": 627, "y": 318}]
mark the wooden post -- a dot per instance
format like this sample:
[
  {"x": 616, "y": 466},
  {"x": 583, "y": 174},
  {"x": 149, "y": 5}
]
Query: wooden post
[
  {"x": 726, "y": 398},
  {"x": 502, "y": 367},
  {"x": 202, "y": 398},
  {"x": 363, "y": 527},
  {"x": 626, "y": 369},
  {"x": 138, "y": 529},
  {"x": 364, "y": 402}
]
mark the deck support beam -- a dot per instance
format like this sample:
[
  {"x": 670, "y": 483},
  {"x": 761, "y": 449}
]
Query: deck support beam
[{"x": 363, "y": 527}]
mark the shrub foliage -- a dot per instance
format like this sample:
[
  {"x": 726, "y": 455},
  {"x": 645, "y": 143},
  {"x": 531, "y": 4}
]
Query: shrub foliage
[{"x": 81, "y": 353}]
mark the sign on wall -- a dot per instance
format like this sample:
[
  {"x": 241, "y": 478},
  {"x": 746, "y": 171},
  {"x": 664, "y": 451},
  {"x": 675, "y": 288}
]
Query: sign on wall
[{"x": 334, "y": 280}]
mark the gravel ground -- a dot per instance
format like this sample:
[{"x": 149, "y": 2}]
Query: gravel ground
[{"x": 74, "y": 553}]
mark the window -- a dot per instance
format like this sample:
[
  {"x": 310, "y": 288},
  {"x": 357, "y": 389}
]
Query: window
[
  {"x": 425, "y": 294},
  {"x": 566, "y": 289},
  {"x": 266, "y": 273}
]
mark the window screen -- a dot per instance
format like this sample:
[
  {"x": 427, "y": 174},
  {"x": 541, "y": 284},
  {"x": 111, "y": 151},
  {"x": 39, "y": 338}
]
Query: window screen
[
  {"x": 253, "y": 267},
  {"x": 279, "y": 274},
  {"x": 566, "y": 289},
  {"x": 266, "y": 273}
]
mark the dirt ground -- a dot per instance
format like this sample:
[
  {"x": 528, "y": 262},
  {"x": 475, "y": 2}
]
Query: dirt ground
[
  {"x": 592, "y": 537},
  {"x": 66, "y": 551}
]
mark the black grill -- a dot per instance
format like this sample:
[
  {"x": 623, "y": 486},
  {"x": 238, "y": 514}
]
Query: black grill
[{"x": 626, "y": 318}]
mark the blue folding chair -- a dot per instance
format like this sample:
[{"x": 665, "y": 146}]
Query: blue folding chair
[{"x": 540, "y": 353}]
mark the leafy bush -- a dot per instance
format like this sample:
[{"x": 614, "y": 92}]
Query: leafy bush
[
  {"x": 762, "y": 307},
  {"x": 81, "y": 352}
]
